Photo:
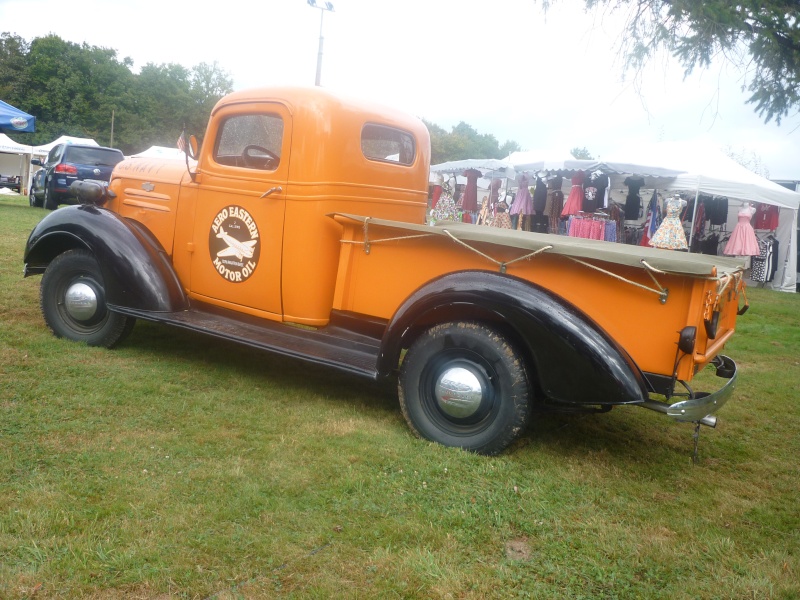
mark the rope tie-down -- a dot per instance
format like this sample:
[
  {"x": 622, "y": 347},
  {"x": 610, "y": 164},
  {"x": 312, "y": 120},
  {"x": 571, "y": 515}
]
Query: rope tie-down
[
  {"x": 367, "y": 243},
  {"x": 501, "y": 264}
]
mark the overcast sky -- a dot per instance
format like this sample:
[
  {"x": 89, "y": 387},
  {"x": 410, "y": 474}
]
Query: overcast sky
[{"x": 550, "y": 83}]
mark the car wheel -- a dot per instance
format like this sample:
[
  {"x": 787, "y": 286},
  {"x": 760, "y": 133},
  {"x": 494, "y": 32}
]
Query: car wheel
[
  {"x": 72, "y": 299},
  {"x": 50, "y": 203},
  {"x": 464, "y": 385},
  {"x": 32, "y": 198}
]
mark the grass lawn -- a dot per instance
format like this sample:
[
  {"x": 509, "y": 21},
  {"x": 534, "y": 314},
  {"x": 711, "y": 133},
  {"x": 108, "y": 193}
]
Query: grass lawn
[{"x": 178, "y": 466}]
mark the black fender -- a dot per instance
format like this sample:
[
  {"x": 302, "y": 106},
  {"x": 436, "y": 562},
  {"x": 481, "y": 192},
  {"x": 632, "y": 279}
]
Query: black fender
[
  {"x": 136, "y": 270},
  {"x": 575, "y": 360}
]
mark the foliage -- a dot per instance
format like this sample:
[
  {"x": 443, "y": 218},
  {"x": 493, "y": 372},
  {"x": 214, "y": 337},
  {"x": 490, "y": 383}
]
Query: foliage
[
  {"x": 464, "y": 141},
  {"x": 760, "y": 37},
  {"x": 580, "y": 153},
  {"x": 179, "y": 466},
  {"x": 75, "y": 89},
  {"x": 748, "y": 159}
]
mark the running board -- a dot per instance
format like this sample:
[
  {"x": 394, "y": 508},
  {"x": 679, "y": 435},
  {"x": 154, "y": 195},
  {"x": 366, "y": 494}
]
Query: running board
[{"x": 332, "y": 346}]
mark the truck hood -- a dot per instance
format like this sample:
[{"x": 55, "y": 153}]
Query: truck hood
[{"x": 155, "y": 170}]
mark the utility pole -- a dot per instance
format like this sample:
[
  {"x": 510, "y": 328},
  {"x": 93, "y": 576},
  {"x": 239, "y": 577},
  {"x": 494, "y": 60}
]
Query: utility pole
[{"x": 322, "y": 8}]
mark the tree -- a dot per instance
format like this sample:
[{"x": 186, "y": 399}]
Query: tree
[
  {"x": 580, "y": 153},
  {"x": 74, "y": 89},
  {"x": 464, "y": 141},
  {"x": 760, "y": 37},
  {"x": 748, "y": 159}
]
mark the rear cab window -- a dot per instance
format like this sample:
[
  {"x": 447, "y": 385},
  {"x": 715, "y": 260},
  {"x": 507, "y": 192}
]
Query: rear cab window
[{"x": 388, "y": 144}]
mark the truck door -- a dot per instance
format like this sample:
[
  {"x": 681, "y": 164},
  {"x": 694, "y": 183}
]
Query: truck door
[{"x": 238, "y": 235}]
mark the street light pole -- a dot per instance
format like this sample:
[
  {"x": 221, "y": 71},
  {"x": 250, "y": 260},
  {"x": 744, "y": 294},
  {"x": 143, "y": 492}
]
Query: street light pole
[{"x": 322, "y": 8}]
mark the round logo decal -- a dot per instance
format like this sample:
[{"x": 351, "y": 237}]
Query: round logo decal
[
  {"x": 19, "y": 122},
  {"x": 234, "y": 244}
]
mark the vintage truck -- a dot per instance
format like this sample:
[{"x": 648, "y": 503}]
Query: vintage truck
[{"x": 299, "y": 228}]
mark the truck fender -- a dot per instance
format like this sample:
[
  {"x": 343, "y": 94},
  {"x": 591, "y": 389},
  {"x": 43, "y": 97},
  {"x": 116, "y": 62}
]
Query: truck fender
[
  {"x": 136, "y": 270},
  {"x": 574, "y": 360}
]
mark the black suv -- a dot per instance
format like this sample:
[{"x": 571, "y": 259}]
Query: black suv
[{"x": 70, "y": 162}]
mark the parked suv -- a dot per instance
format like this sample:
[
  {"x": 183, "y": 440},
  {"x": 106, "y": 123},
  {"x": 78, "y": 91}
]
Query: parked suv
[{"x": 71, "y": 162}]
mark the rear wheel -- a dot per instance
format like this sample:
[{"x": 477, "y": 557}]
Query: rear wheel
[
  {"x": 464, "y": 385},
  {"x": 73, "y": 302},
  {"x": 50, "y": 202}
]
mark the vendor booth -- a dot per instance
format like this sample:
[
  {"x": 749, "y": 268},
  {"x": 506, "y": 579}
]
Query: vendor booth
[
  {"x": 15, "y": 162},
  {"x": 695, "y": 193}
]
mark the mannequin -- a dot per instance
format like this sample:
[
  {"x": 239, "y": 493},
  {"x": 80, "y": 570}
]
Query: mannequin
[
  {"x": 574, "y": 202},
  {"x": 743, "y": 240},
  {"x": 437, "y": 189},
  {"x": 446, "y": 207},
  {"x": 501, "y": 219},
  {"x": 670, "y": 233}
]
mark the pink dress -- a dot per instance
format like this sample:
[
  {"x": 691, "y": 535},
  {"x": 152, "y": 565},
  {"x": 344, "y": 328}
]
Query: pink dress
[
  {"x": 574, "y": 203},
  {"x": 743, "y": 240},
  {"x": 523, "y": 203}
]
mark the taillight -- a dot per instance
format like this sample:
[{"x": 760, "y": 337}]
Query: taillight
[{"x": 66, "y": 169}]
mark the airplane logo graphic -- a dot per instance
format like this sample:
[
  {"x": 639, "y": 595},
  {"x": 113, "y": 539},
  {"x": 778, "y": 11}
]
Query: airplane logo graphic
[{"x": 235, "y": 248}]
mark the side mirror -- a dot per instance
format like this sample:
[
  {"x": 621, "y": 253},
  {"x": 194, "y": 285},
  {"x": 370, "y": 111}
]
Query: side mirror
[
  {"x": 37, "y": 162},
  {"x": 193, "y": 148}
]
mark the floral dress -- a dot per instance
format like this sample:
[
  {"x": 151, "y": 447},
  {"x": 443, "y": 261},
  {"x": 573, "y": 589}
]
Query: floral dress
[
  {"x": 670, "y": 233},
  {"x": 445, "y": 209}
]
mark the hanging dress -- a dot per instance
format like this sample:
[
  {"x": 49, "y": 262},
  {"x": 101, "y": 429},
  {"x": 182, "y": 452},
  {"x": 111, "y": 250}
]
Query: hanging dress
[
  {"x": 523, "y": 203},
  {"x": 670, "y": 233},
  {"x": 469, "y": 201},
  {"x": 743, "y": 240},
  {"x": 574, "y": 203}
]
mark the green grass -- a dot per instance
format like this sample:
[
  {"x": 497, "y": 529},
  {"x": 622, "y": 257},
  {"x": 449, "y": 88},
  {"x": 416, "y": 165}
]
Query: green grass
[{"x": 177, "y": 466}]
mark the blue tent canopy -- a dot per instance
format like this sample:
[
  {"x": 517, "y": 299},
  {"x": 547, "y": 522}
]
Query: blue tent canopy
[{"x": 13, "y": 119}]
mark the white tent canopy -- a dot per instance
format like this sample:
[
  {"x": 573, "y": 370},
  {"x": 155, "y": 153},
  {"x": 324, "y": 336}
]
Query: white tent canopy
[
  {"x": 12, "y": 147},
  {"x": 64, "y": 139},
  {"x": 484, "y": 165},
  {"x": 160, "y": 152}
]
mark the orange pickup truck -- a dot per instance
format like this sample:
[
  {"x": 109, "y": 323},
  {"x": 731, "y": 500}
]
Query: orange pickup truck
[{"x": 299, "y": 228}]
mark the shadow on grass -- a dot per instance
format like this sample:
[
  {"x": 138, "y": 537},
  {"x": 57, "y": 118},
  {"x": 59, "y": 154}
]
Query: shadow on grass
[
  {"x": 629, "y": 434},
  {"x": 266, "y": 367}
]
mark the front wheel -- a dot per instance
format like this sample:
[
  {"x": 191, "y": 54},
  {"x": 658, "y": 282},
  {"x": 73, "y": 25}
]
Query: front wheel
[
  {"x": 464, "y": 385},
  {"x": 33, "y": 200},
  {"x": 73, "y": 301}
]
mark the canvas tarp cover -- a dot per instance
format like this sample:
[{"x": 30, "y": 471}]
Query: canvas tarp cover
[{"x": 622, "y": 254}]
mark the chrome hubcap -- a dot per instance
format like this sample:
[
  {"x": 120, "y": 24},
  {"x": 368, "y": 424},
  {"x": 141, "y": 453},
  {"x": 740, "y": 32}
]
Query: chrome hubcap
[
  {"x": 459, "y": 392},
  {"x": 80, "y": 301}
]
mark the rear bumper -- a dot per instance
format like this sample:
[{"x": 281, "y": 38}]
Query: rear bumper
[{"x": 704, "y": 404}]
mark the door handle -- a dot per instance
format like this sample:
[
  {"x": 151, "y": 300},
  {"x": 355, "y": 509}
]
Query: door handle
[{"x": 271, "y": 191}]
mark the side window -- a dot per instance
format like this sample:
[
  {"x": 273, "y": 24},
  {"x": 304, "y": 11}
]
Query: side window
[
  {"x": 250, "y": 142},
  {"x": 379, "y": 142}
]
